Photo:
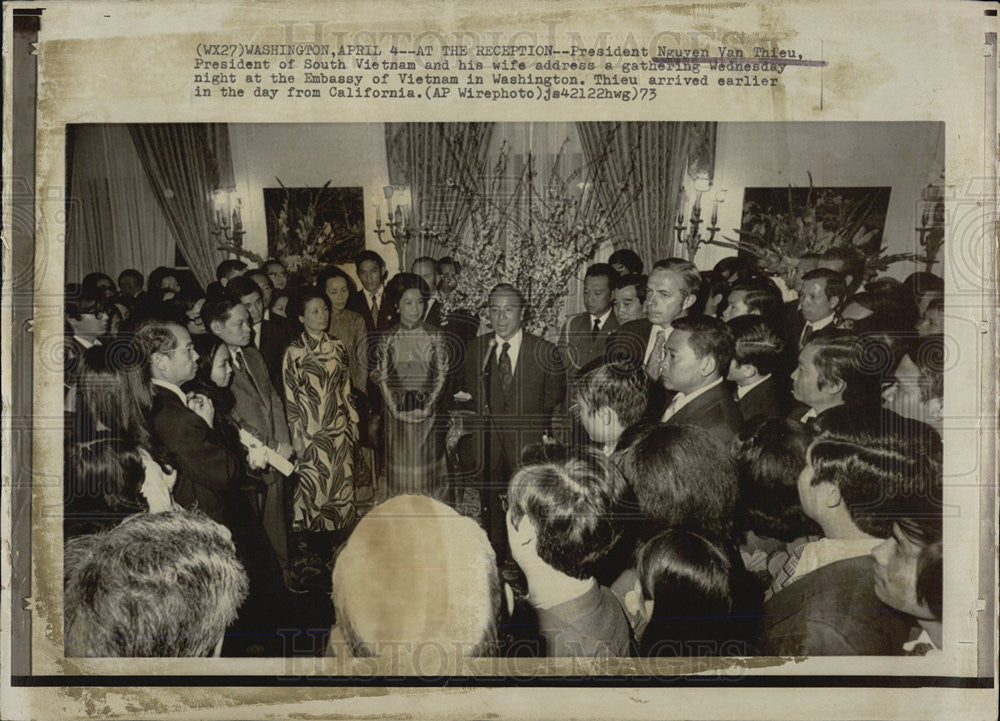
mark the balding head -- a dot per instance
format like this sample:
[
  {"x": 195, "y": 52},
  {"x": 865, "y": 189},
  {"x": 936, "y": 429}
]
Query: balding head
[{"x": 414, "y": 575}]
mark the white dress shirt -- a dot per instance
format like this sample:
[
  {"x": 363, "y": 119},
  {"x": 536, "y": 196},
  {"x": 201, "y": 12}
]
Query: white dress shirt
[
  {"x": 515, "y": 348},
  {"x": 681, "y": 399},
  {"x": 173, "y": 389},
  {"x": 743, "y": 390},
  {"x": 601, "y": 319}
]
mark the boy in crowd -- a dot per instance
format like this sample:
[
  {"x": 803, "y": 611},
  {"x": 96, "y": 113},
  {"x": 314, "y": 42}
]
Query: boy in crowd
[
  {"x": 757, "y": 358},
  {"x": 611, "y": 398},
  {"x": 560, "y": 525}
]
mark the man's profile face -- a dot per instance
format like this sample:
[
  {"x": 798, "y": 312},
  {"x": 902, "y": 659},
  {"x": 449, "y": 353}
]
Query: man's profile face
[
  {"x": 505, "y": 313},
  {"x": 370, "y": 275},
  {"x": 681, "y": 369},
  {"x": 179, "y": 364},
  {"x": 235, "y": 331},
  {"x": 596, "y": 294},
  {"x": 904, "y": 396},
  {"x": 129, "y": 285}
]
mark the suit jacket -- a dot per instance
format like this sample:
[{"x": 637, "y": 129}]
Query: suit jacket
[
  {"x": 518, "y": 418},
  {"x": 833, "y": 611},
  {"x": 275, "y": 335},
  {"x": 433, "y": 314},
  {"x": 767, "y": 399},
  {"x": 358, "y": 302},
  {"x": 208, "y": 470},
  {"x": 578, "y": 343},
  {"x": 258, "y": 408},
  {"x": 628, "y": 344},
  {"x": 715, "y": 411}
]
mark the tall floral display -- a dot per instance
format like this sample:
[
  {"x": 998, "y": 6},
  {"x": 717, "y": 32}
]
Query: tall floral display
[
  {"x": 533, "y": 237},
  {"x": 814, "y": 220}
]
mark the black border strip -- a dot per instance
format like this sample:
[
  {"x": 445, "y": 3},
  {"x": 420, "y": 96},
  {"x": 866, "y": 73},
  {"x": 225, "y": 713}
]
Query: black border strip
[{"x": 641, "y": 681}]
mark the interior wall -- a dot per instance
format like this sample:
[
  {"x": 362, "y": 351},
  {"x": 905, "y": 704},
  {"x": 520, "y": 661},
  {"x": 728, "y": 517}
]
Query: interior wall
[
  {"x": 347, "y": 154},
  {"x": 905, "y": 156}
]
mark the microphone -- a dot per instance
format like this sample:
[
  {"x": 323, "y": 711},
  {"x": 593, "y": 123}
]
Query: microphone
[{"x": 488, "y": 354}]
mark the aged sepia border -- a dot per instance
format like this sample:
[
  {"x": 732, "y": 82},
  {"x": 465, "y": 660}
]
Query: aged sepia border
[{"x": 142, "y": 688}]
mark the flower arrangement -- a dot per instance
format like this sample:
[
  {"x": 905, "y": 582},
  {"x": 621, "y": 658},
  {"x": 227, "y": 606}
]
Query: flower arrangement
[
  {"x": 534, "y": 238},
  {"x": 309, "y": 228},
  {"x": 824, "y": 219}
]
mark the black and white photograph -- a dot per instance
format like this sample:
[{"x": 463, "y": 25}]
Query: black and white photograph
[
  {"x": 594, "y": 389},
  {"x": 445, "y": 360}
]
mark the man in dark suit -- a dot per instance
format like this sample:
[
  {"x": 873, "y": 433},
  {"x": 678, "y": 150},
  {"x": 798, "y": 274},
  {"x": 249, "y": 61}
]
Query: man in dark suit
[
  {"x": 823, "y": 292},
  {"x": 516, "y": 383},
  {"x": 184, "y": 429},
  {"x": 757, "y": 361},
  {"x": 672, "y": 288},
  {"x": 271, "y": 337},
  {"x": 370, "y": 301},
  {"x": 585, "y": 335},
  {"x": 86, "y": 320},
  {"x": 427, "y": 268},
  {"x": 698, "y": 354},
  {"x": 258, "y": 410}
]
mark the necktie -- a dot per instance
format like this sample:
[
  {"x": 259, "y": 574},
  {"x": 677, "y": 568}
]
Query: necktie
[
  {"x": 806, "y": 332},
  {"x": 375, "y": 308},
  {"x": 596, "y": 329},
  {"x": 506, "y": 371},
  {"x": 240, "y": 363}
]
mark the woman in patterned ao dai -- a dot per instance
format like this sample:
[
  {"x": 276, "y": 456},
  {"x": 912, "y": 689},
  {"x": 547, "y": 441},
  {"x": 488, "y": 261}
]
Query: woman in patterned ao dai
[{"x": 322, "y": 421}]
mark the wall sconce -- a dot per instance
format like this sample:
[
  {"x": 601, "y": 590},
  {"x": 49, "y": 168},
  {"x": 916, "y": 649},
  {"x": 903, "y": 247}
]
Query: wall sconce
[
  {"x": 693, "y": 240},
  {"x": 227, "y": 215}
]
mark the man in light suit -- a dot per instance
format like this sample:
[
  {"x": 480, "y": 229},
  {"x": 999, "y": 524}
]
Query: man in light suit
[
  {"x": 516, "y": 382},
  {"x": 671, "y": 290},
  {"x": 258, "y": 410}
]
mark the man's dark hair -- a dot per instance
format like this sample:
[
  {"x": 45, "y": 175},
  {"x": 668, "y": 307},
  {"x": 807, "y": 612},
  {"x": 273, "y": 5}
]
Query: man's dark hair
[
  {"x": 735, "y": 265},
  {"x": 619, "y": 386},
  {"x": 757, "y": 344},
  {"x": 228, "y": 266},
  {"x": 571, "y": 505},
  {"x": 448, "y": 260},
  {"x": 87, "y": 300},
  {"x": 769, "y": 458},
  {"x": 709, "y": 336},
  {"x": 602, "y": 270},
  {"x": 762, "y": 296},
  {"x": 844, "y": 356},
  {"x": 369, "y": 255},
  {"x": 637, "y": 280},
  {"x": 628, "y": 258},
  {"x": 131, "y": 273},
  {"x": 159, "y": 584},
  {"x": 217, "y": 308},
  {"x": 681, "y": 477},
  {"x": 242, "y": 286},
  {"x": 153, "y": 335},
  {"x": 884, "y": 476},
  {"x": 91, "y": 283}
]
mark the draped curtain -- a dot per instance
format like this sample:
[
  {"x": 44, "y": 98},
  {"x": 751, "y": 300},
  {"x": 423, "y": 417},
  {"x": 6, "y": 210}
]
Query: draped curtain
[
  {"x": 185, "y": 162},
  {"x": 115, "y": 219},
  {"x": 425, "y": 156},
  {"x": 652, "y": 159}
]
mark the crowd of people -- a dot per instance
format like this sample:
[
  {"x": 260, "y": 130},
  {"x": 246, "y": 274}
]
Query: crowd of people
[{"x": 692, "y": 466}]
